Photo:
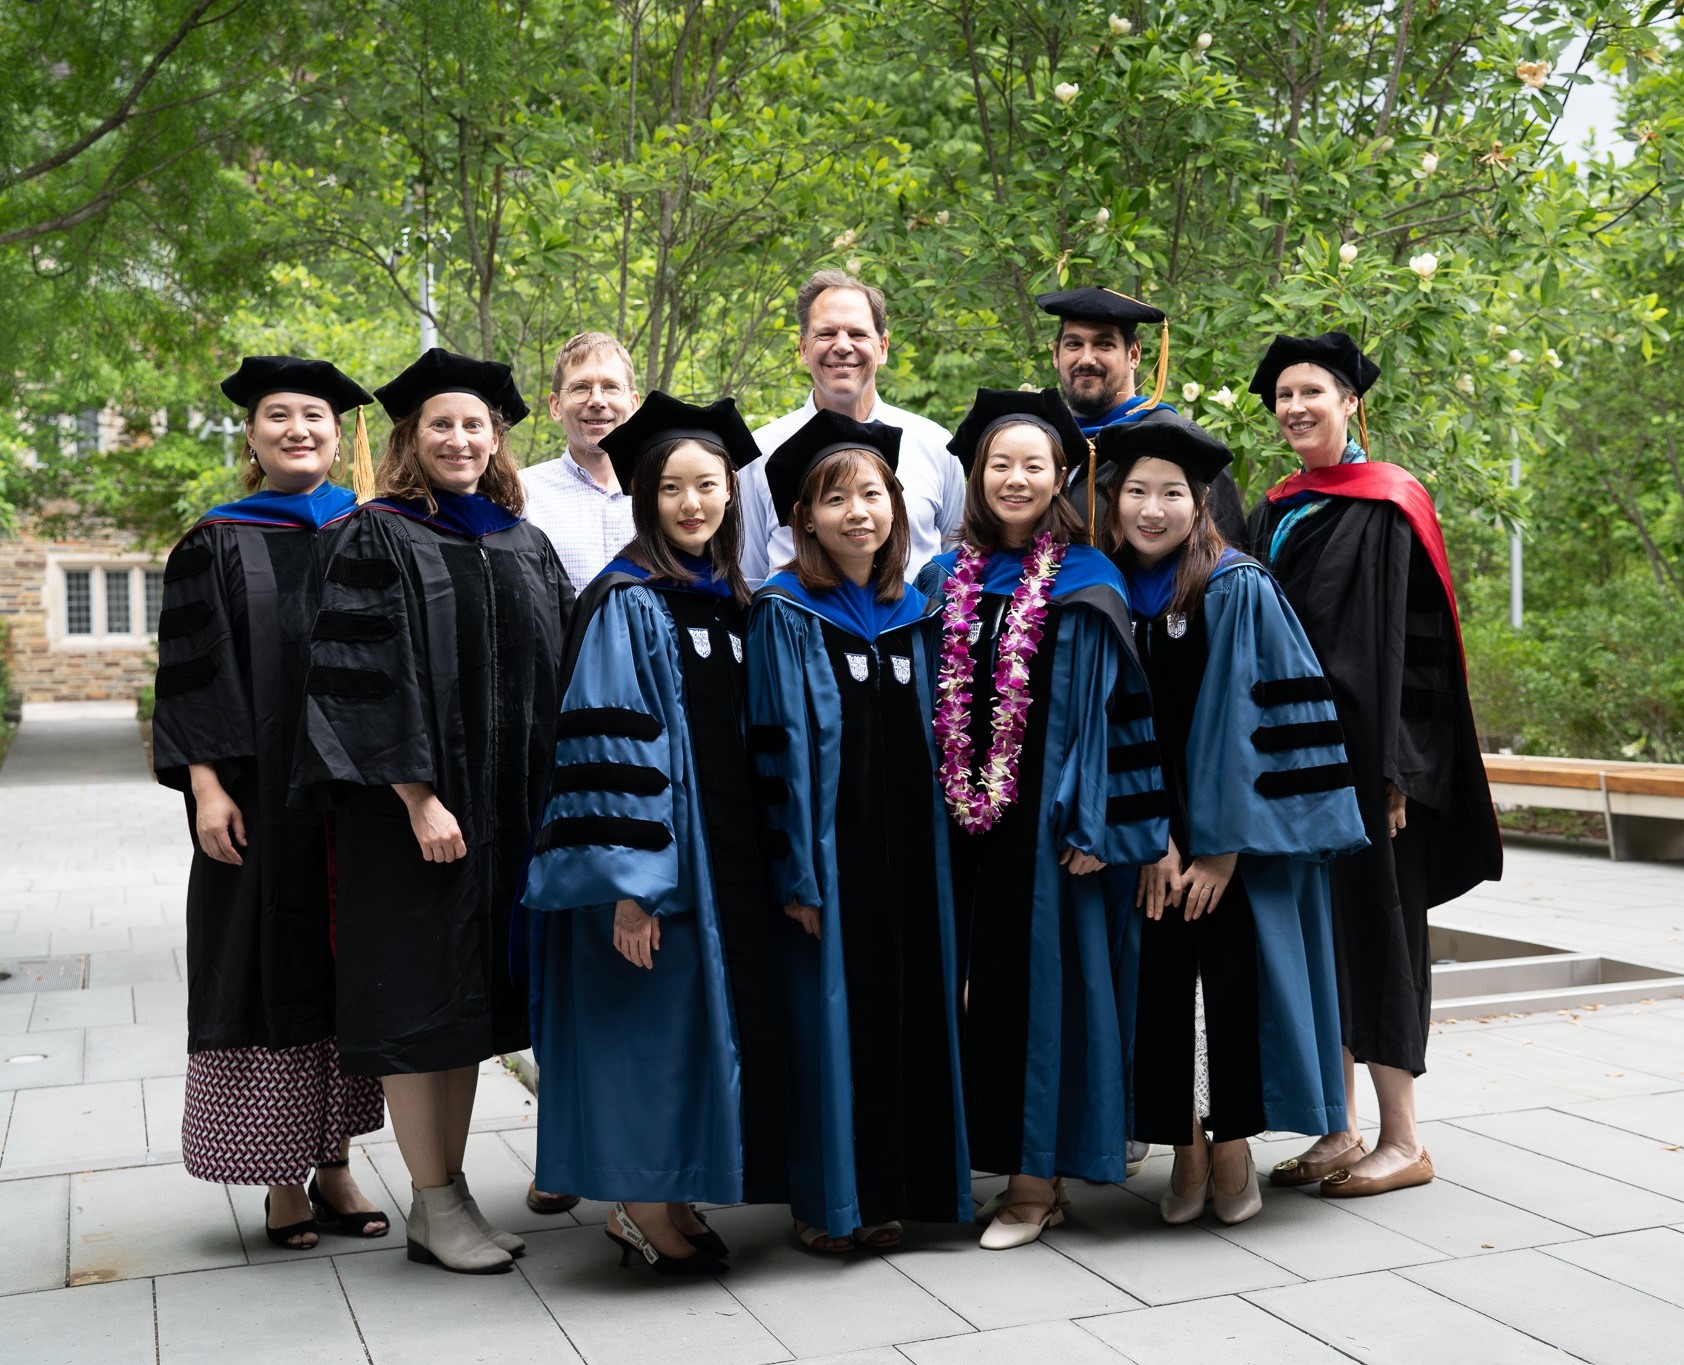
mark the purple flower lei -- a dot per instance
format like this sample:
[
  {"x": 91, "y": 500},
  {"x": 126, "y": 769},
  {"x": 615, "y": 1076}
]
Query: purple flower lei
[{"x": 977, "y": 803}]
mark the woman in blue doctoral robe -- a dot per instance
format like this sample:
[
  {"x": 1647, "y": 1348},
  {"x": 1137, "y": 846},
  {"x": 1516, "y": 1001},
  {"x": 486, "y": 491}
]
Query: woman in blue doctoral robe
[
  {"x": 839, "y": 709},
  {"x": 1231, "y": 944},
  {"x": 660, "y": 1050},
  {"x": 1039, "y": 945}
]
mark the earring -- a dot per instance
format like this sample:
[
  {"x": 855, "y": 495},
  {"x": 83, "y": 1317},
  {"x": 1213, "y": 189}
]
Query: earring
[
  {"x": 336, "y": 454},
  {"x": 250, "y": 453},
  {"x": 809, "y": 528}
]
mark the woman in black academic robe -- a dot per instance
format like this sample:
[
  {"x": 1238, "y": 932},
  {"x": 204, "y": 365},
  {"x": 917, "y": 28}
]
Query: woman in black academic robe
[
  {"x": 430, "y": 725},
  {"x": 266, "y": 1099},
  {"x": 1357, "y": 548}
]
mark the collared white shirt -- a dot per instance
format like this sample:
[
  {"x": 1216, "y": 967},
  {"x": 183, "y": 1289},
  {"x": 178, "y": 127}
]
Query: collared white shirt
[
  {"x": 586, "y": 523},
  {"x": 931, "y": 479}
]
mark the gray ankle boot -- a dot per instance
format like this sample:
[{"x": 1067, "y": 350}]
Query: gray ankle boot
[
  {"x": 440, "y": 1230},
  {"x": 506, "y": 1240}
]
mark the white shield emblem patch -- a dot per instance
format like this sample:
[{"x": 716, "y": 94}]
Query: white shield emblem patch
[
  {"x": 976, "y": 631},
  {"x": 903, "y": 667},
  {"x": 1177, "y": 624},
  {"x": 859, "y": 667},
  {"x": 701, "y": 641},
  {"x": 736, "y": 645}
]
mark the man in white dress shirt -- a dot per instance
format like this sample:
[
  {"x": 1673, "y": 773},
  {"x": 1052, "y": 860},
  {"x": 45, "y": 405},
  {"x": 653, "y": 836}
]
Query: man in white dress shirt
[
  {"x": 575, "y": 499},
  {"x": 844, "y": 338}
]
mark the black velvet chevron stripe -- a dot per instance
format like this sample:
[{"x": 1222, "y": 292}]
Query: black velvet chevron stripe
[
  {"x": 1284, "y": 691},
  {"x": 770, "y": 791},
  {"x": 632, "y": 778},
  {"x": 1123, "y": 810},
  {"x": 1130, "y": 706},
  {"x": 365, "y": 684},
  {"x": 358, "y": 626},
  {"x": 1311, "y": 734},
  {"x": 174, "y": 679},
  {"x": 1428, "y": 650},
  {"x": 1125, "y": 758},
  {"x": 183, "y": 620},
  {"x": 767, "y": 739},
  {"x": 612, "y": 722},
  {"x": 185, "y": 563},
  {"x": 574, "y": 831},
  {"x": 362, "y": 573},
  {"x": 775, "y": 843},
  {"x": 1302, "y": 781},
  {"x": 1422, "y": 703}
]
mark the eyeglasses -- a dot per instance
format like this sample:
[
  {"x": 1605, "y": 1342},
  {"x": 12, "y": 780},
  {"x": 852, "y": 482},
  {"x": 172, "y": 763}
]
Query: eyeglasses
[{"x": 580, "y": 392}]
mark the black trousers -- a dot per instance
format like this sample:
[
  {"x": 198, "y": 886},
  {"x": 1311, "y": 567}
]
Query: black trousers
[{"x": 1221, "y": 948}]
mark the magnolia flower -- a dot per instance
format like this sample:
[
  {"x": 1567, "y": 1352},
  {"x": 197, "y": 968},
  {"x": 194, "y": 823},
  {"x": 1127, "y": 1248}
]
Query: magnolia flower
[
  {"x": 1203, "y": 41},
  {"x": 1064, "y": 92},
  {"x": 843, "y": 238},
  {"x": 1498, "y": 330},
  {"x": 1348, "y": 253},
  {"x": 1120, "y": 26},
  {"x": 1553, "y": 359},
  {"x": 1102, "y": 217},
  {"x": 1534, "y": 74},
  {"x": 1429, "y": 162},
  {"x": 853, "y": 264},
  {"x": 1026, "y": 387},
  {"x": 1465, "y": 384},
  {"x": 1596, "y": 294},
  {"x": 1190, "y": 391},
  {"x": 1425, "y": 265},
  {"x": 944, "y": 218},
  {"x": 1223, "y": 397},
  {"x": 1515, "y": 357}
]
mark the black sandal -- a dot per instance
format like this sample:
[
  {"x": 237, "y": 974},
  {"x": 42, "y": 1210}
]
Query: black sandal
[
  {"x": 282, "y": 1237},
  {"x": 331, "y": 1219}
]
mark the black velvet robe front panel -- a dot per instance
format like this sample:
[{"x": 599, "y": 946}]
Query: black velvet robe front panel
[
  {"x": 434, "y": 659},
  {"x": 233, "y": 647}
]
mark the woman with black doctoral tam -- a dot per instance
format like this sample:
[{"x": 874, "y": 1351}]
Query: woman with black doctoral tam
[
  {"x": 1230, "y": 948},
  {"x": 1355, "y": 543},
  {"x": 654, "y": 991},
  {"x": 430, "y": 725},
  {"x": 266, "y": 1098},
  {"x": 840, "y": 712},
  {"x": 1049, "y": 772}
]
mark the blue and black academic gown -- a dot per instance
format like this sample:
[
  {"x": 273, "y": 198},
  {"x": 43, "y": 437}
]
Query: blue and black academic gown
[
  {"x": 1043, "y": 1035},
  {"x": 240, "y": 594},
  {"x": 1255, "y": 764},
  {"x": 433, "y": 659},
  {"x": 839, "y": 712},
  {"x": 663, "y": 1084}
]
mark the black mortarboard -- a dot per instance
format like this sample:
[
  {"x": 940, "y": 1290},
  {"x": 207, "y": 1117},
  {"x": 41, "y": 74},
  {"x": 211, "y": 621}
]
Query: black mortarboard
[
  {"x": 1335, "y": 352},
  {"x": 661, "y": 418},
  {"x": 1097, "y": 304},
  {"x": 1164, "y": 435},
  {"x": 441, "y": 371},
  {"x": 261, "y": 375},
  {"x": 825, "y": 433},
  {"x": 995, "y": 407}
]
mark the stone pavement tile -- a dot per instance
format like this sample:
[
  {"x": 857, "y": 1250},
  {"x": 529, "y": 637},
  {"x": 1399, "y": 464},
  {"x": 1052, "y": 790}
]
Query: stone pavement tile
[
  {"x": 988, "y": 1289},
  {"x": 15, "y": 897},
  {"x": 1654, "y": 1116},
  {"x": 132, "y": 1052},
  {"x": 1458, "y": 1221},
  {"x": 108, "y": 1323},
  {"x": 111, "y": 938},
  {"x": 1389, "y": 1321},
  {"x": 61, "y": 1050},
  {"x": 501, "y": 1101},
  {"x": 17, "y": 943},
  {"x": 34, "y": 1227},
  {"x": 1061, "y": 1341},
  {"x": 125, "y": 915},
  {"x": 1651, "y": 1261},
  {"x": 1318, "y": 1238},
  {"x": 499, "y": 1183},
  {"x": 1228, "y": 1330},
  {"x": 1120, "y": 1237},
  {"x": 15, "y": 1009},
  {"x": 613, "y": 1315},
  {"x": 1584, "y": 1076},
  {"x": 8, "y": 917},
  {"x": 1584, "y": 1314},
  {"x": 813, "y": 1304},
  {"x": 164, "y": 1097},
  {"x": 1616, "y": 1051},
  {"x": 72, "y": 1123},
  {"x": 132, "y": 968},
  {"x": 83, "y": 1009},
  {"x": 256, "y": 1314},
  {"x": 86, "y": 882},
  {"x": 247, "y": 1201},
  {"x": 1453, "y": 1087},
  {"x": 149, "y": 936},
  {"x": 420, "y": 1313},
  {"x": 523, "y": 1142},
  {"x": 160, "y": 1002},
  {"x": 1588, "y": 1200},
  {"x": 876, "y": 1355},
  {"x": 49, "y": 921},
  {"x": 1579, "y": 1141},
  {"x": 148, "y": 1220}
]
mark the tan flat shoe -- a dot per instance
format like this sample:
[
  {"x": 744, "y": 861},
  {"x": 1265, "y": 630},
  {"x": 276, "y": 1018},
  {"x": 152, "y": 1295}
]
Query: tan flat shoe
[
  {"x": 1297, "y": 1171},
  {"x": 1343, "y": 1185}
]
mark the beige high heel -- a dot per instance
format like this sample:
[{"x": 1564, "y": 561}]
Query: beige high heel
[
  {"x": 1247, "y": 1203},
  {"x": 1177, "y": 1209}
]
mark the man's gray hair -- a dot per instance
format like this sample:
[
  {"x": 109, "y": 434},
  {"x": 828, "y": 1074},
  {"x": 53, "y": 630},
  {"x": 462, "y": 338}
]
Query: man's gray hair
[{"x": 822, "y": 280}]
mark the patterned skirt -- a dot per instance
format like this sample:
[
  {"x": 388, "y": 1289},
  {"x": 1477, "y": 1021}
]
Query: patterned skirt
[{"x": 257, "y": 1117}]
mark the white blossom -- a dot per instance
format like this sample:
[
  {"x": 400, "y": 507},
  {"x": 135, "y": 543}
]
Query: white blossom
[
  {"x": 1553, "y": 359},
  {"x": 1425, "y": 265},
  {"x": 1190, "y": 392},
  {"x": 1223, "y": 397},
  {"x": 1203, "y": 41},
  {"x": 944, "y": 218},
  {"x": 1102, "y": 216},
  {"x": 842, "y": 239},
  {"x": 1515, "y": 357},
  {"x": 1465, "y": 384},
  {"x": 854, "y": 265},
  {"x": 1348, "y": 253},
  {"x": 1534, "y": 74},
  {"x": 1120, "y": 26},
  {"x": 1064, "y": 92},
  {"x": 1429, "y": 162}
]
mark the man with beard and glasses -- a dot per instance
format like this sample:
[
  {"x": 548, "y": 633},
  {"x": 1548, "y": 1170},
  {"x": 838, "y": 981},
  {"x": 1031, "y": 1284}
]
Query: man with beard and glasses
[{"x": 1097, "y": 354}]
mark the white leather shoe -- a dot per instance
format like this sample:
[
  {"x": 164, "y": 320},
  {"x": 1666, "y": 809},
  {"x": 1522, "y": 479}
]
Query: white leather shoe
[
  {"x": 440, "y": 1230},
  {"x": 1001, "y": 1236}
]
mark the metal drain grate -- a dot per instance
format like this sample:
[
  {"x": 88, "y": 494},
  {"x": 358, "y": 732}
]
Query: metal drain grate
[{"x": 67, "y": 973}]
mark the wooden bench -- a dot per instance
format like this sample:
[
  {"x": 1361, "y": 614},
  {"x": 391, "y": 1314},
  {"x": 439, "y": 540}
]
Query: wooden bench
[{"x": 1642, "y": 804}]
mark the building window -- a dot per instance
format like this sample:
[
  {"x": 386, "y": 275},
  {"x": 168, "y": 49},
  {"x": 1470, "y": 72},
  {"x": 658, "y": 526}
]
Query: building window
[
  {"x": 117, "y": 601},
  {"x": 107, "y": 603},
  {"x": 78, "y": 602},
  {"x": 154, "y": 598}
]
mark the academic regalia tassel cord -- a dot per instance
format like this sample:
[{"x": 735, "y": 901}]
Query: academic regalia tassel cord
[{"x": 362, "y": 462}]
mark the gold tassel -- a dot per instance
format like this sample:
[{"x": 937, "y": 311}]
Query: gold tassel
[
  {"x": 1163, "y": 365},
  {"x": 1093, "y": 471},
  {"x": 1362, "y": 424},
  {"x": 362, "y": 462}
]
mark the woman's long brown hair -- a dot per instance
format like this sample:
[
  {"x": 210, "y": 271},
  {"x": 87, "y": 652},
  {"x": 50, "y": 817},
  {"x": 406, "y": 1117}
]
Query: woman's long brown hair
[{"x": 1201, "y": 552}]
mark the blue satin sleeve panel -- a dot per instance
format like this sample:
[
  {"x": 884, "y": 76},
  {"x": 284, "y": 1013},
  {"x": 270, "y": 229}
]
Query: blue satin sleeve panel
[
  {"x": 790, "y": 686},
  {"x": 615, "y": 822},
  {"x": 1267, "y": 772}
]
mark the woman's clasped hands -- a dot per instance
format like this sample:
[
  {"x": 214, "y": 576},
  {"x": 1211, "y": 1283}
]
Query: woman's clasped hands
[{"x": 1196, "y": 886}]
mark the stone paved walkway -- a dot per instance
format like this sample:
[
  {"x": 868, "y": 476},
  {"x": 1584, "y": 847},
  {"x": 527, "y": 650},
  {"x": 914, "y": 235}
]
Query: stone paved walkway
[{"x": 1555, "y": 1231}]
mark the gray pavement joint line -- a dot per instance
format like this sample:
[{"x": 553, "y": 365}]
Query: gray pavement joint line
[
  {"x": 749, "y": 1313},
  {"x": 520, "y": 1269},
  {"x": 1340, "y": 1206},
  {"x": 1553, "y": 1109},
  {"x": 890, "y": 1260},
  {"x": 1081, "y": 1324},
  {"x": 69, "y": 1199},
  {"x": 1590, "y": 1269},
  {"x": 356, "y": 1326},
  {"x": 1293, "y": 1326},
  {"x": 1543, "y": 1341},
  {"x": 157, "y": 1336},
  {"x": 1675, "y": 1083}
]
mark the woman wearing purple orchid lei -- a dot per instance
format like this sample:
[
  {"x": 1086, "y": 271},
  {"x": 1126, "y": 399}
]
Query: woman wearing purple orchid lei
[{"x": 1049, "y": 771}]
